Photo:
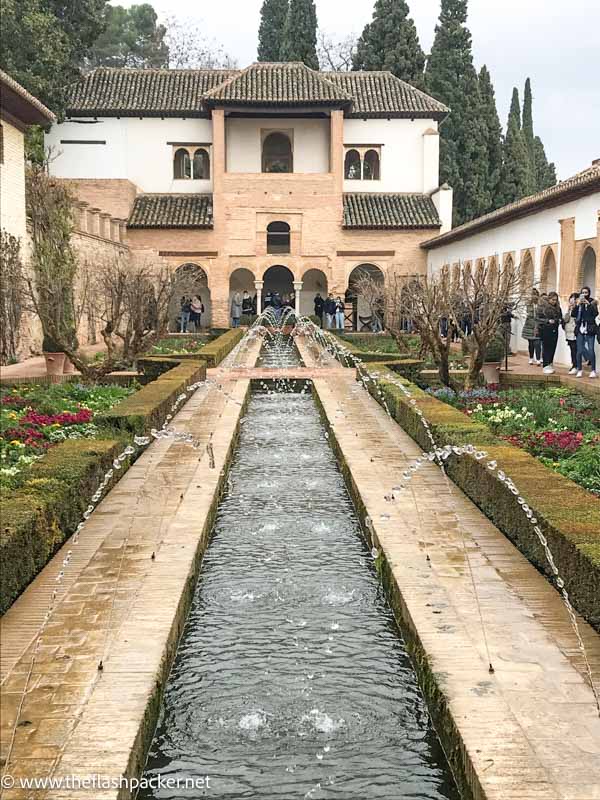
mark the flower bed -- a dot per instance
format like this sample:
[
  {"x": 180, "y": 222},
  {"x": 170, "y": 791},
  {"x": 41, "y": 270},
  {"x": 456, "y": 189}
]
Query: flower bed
[
  {"x": 179, "y": 345},
  {"x": 558, "y": 426},
  {"x": 34, "y": 418}
]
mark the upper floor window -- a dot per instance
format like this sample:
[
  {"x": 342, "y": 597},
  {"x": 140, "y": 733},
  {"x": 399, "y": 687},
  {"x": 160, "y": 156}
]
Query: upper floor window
[
  {"x": 362, "y": 162},
  {"x": 277, "y": 153},
  {"x": 278, "y": 237},
  {"x": 191, "y": 163},
  {"x": 352, "y": 168}
]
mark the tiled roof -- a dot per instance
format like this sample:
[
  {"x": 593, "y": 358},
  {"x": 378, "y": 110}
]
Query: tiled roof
[
  {"x": 149, "y": 92},
  {"x": 389, "y": 211},
  {"x": 287, "y": 83},
  {"x": 171, "y": 211},
  {"x": 162, "y": 92},
  {"x": 16, "y": 99},
  {"x": 381, "y": 94},
  {"x": 582, "y": 183}
]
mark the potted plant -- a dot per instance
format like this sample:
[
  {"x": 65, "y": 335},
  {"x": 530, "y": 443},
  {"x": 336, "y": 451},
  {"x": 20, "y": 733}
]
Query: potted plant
[
  {"x": 494, "y": 353},
  {"x": 55, "y": 358}
]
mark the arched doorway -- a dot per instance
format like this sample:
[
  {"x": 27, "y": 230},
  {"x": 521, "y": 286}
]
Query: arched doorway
[
  {"x": 313, "y": 281},
  {"x": 190, "y": 280},
  {"x": 549, "y": 275},
  {"x": 588, "y": 269},
  {"x": 361, "y": 294},
  {"x": 277, "y": 279},
  {"x": 241, "y": 280}
]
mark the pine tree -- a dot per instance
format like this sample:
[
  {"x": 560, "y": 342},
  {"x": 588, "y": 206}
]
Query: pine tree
[
  {"x": 270, "y": 31},
  {"x": 493, "y": 140},
  {"x": 299, "y": 41},
  {"x": 451, "y": 77},
  {"x": 390, "y": 42},
  {"x": 517, "y": 179}
]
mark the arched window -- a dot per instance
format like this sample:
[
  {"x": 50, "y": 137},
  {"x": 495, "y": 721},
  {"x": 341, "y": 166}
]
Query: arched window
[
  {"x": 278, "y": 237},
  {"x": 371, "y": 166},
  {"x": 352, "y": 166},
  {"x": 277, "y": 153},
  {"x": 181, "y": 164},
  {"x": 201, "y": 165}
]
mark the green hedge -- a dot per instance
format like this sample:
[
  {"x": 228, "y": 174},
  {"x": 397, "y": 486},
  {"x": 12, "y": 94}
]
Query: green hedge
[
  {"x": 219, "y": 348},
  {"x": 568, "y": 515},
  {"x": 148, "y": 408},
  {"x": 38, "y": 517}
]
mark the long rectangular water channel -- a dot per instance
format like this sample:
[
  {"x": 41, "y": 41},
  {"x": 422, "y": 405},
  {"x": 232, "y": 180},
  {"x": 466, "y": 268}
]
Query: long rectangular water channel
[{"x": 291, "y": 679}]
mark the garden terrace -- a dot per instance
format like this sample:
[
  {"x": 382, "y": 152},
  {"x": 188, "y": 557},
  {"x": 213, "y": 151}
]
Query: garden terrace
[{"x": 569, "y": 515}]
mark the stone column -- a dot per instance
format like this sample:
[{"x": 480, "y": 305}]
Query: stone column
[
  {"x": 122, "y": 230},
  {"x": 297, "y": 290},
  {"x": 105, "y": 225},
  {"x": 81, "y": 219},
  {"x": 567, "y": 276},
  {"x": 258, "y": 285}
]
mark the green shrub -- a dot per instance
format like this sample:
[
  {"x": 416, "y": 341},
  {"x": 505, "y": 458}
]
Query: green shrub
[{"x": 219, "y": 348}]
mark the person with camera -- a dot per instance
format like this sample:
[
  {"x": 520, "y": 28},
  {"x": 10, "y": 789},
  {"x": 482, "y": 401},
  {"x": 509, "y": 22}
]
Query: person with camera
[{"x": 586, "y": 329}]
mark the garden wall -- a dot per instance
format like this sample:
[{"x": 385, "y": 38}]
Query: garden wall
[{"x": 568, "y": 515}]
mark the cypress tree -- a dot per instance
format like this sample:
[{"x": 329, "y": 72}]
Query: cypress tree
[
  {"x": 545, "y": 171},
  {"x": 451, "y": 77},
  {"x": 493, "y": 140},
  {"x": 528, "y": 120},
  {"x": 299, "y": 41},
  {"x": 517, "y": 174},
  {"x": 390, "y": 42},
  {"x": 270, "y": 31}
]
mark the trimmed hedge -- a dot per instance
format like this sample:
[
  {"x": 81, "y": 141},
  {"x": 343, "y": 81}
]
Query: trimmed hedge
[
  {"x": 568, "y": 515},
  {"x": 219, "y": 348},
  {"x": 38, "y": 517},
  {"x": 148, "y": 408}
]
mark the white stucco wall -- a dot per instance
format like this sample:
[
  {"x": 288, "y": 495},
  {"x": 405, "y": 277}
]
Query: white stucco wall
[
  {"x": 403, "y": 165},
  {"x": 136, "y": 149},
  {"x": 531, "y": 232},
  {"x": 310, "y": 142},
  {"x": 12, "y": 182}
]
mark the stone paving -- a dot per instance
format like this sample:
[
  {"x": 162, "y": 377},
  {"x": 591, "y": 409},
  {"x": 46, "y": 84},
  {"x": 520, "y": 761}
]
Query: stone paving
[{"x": 530, "y": 731}]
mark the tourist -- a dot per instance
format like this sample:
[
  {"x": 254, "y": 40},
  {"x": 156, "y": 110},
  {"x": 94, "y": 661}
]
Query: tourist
[
  {"x": 531, "y": 329},
  {"x": 550, "y": 316},
  {"x": 277, "y": 304},
  {"x": 319, "y": 308},
  {"x": 586, "y": 328},
  {"x": 339, "y": 313},
  {"x": 377, "y": 315},
  {"x": 569, "y": 325},
  {"x": 330, "y": 311},
  {"x": 236, "y": 310},
  {"x": 184, "y": 314},
  {"x": 247, "y": 304},
  {"x": 196, "y": 311},
  {"x": 268, "y": 300}
]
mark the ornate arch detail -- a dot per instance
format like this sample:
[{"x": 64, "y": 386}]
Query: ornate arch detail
[{"x": 548, "y": 265}]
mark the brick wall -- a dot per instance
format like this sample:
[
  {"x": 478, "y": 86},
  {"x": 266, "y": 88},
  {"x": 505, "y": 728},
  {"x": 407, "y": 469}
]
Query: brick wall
[{"x": 114, "y": 196}]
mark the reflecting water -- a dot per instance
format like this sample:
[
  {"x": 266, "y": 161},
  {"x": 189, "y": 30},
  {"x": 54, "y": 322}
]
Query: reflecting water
[
  {"x": 279, "y": 350},
  {"x": 291, "y": 680}
]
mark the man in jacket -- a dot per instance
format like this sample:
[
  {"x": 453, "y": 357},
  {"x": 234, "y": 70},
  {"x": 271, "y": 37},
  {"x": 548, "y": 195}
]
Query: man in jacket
[
  {"x": 319, "y": 306},
  {"x": 330, "y": 311}
]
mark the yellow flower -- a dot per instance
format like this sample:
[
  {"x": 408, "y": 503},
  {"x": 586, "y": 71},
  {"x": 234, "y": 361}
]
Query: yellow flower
[
  {"x": 17, "y": 443},
  {"x": 55, "y": 425},
  {"x": 12, "y": 415}
]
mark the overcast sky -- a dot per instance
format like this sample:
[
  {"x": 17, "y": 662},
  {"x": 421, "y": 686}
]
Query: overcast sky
[{"x": 555, "y": 43}]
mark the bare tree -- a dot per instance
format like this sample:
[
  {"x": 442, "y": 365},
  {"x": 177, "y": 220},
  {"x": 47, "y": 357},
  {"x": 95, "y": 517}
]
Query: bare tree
[
  {"x": 11, "y": 295},
  {"x": 189, "y": 48},
  {"x": 335, "y": 55}
]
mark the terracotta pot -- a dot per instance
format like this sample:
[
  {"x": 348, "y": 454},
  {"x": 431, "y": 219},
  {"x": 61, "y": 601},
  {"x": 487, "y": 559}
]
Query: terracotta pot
[
  {"x": 68, "y": 366},
  {"x": 491, "y": 371},
  {"x": 54, "y": 363}
]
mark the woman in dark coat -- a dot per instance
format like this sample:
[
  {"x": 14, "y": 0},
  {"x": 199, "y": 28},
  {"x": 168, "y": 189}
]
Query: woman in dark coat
[
  {"x": 586, "y": 329},
  {"x": 550, "y": 318},
  {"x": 531, "y": 330}
]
